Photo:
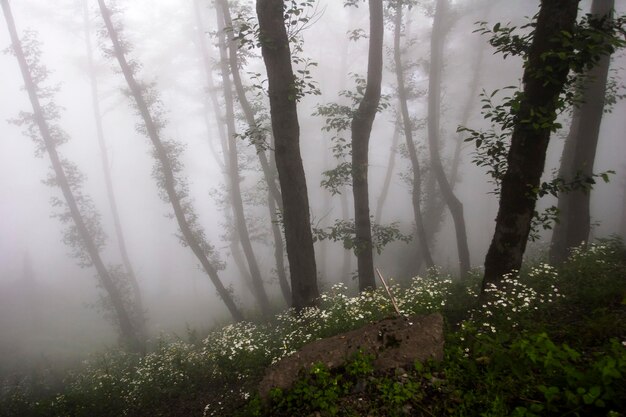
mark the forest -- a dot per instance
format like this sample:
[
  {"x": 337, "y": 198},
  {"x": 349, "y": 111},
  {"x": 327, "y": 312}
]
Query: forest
[{"x": 312, "y": 208}]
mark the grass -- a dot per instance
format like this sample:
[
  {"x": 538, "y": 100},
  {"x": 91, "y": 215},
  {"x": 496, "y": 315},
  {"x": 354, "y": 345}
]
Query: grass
[{"x": 547, "y": 342}]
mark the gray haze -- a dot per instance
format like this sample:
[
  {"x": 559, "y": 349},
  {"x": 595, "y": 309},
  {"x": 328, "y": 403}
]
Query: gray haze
[{"x": 53, "y": 316}]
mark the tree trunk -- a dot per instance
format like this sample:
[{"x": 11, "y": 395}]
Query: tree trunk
[
  {"x": 434, "y": 109},
  {"x": 284, "y": 115},
  {"x": 622, "y": 224},
  {"x": 233, "y": 168},
  {"x": 579, "y": 154},
  {"x": 166, "y": 168},
  {"x": 416, "y": 192},
  {"x": 119, "y": 232},
  {"x": 361, "y": 131},
  {"x": 391, "y": 165},
  {"x": 268, "y": 168},
  {"x": 124, "y": 320},
  {"x": 527, "y": 154}
]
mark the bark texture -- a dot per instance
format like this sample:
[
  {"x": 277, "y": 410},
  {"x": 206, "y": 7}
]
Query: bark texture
[
  {"x": 361, "y": 131},
  {"x": 579, "y": 154},
  {"x": 526, "y": 158},
  {"x": 166, "y": 167},
  {"x": 434, "y": 109},
  {"x": 128, "y": 331},
  {"x": 284, "y": 115}
]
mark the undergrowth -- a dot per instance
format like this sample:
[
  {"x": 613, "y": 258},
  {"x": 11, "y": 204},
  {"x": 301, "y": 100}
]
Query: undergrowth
[{"x": 544, "y": 342}]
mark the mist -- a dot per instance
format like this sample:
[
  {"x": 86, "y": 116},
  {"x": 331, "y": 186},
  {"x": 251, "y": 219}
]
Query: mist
[{"x": 51, "y": 308}]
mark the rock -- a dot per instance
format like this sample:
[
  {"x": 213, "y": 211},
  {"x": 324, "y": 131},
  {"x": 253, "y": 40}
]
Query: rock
[{"x": 393, "y": 342}]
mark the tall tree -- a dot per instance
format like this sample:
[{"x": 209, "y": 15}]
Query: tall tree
[
  {"x": 533, "y": 123},
  {"x": 579, "y": 151},
  {"x": 434, "y": 112},
  {"x": 416, "y": 192},
  {"x": 119, "y": 231},
  {"x": 361, "y": 131},
  {"x": 284, "y": 114},
  {"x": 86, "y": 233},
  {"x": 174, "y": 188},
  {"x": 233, "y": 171},
  {"x": 255, "y": 130}
]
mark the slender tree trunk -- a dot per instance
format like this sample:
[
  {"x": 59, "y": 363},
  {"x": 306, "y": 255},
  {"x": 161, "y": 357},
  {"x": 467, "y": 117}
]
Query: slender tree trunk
[
  {"x": 166, "y": 168},
  {"x": 267, "y": 167},
  {"x": 119, "y": 231},
  {"x": 391, "y": 165},
  {"x": 279, "y": 250},
  {"x": 284, "y": 115},
  {"x": 235, "y": 249},
  {"x": 434, "y": 109},
  {"x": 416, "y": 193},
  {"x": 622, "y": 224},
  {"x": 124, "y": 320},
  {"x": 361, "y": 131},
  {"x": 527, "y": 154},
  {"x": 579, "y": 153},
  {"x": 233, "y": 167}
]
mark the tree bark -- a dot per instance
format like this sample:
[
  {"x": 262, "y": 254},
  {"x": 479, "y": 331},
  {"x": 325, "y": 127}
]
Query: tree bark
[
  {"x": 434, "y": 109},
  {"x": 284, "y": 115},
  {"x": 579, "y": 154},
  {"x": 233, "y": 168},
  {"x": 416, "y": 192},
  {"x": 529, "y": 143},
  {"x": 361, "y": 132},
  {"x": 167, "y": 171},
  {"x": 129, "y": 333},
  {"x": 119, "y": 231}
]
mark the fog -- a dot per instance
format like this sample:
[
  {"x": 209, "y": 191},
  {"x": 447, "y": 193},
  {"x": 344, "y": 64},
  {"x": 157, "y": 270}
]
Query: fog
[{"x": 49, "y": 304}]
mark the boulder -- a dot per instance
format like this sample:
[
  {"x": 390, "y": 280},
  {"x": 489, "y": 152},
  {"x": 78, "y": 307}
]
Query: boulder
[{"x": 393, "y": 342}]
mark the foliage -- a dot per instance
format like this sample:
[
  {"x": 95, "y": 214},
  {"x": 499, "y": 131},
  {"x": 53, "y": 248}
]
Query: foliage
[
  {"x": 345, "y": 232},
  {"x": 338, "y": 118},
  {"x": 577, "y": 52},
  {"x": 546, "y": 342}
]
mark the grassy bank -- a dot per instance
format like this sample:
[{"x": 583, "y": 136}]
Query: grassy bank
[{"x": 548, "y": 342}]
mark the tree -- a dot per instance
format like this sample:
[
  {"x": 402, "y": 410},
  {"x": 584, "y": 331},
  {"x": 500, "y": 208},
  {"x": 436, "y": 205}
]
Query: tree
[
  {"x": 232, "y": 164},
  {"x": 545, "y": 75},
  {"x": 284, "y": 115},
  {"x": 416, "y": 191},
  {"x": 173, "y": 186},
  {"x": 119, "y": 231},
  {"x": 274, "y": 194},
  {"x": 86, "y": 235},
  {"x": 434, "y": 109},
  {"x": 574, "y": 221},
  {"x": 361, "y": 131}
]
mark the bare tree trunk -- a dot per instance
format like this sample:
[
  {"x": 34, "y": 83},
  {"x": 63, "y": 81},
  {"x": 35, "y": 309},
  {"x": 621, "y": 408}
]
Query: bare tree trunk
[
  {"x": 361, "y": 131},
  {"x": 119, "y": 231},
  {"x": 434, "y": 109},
  {"x": 284, "y": 114},
  {"x": 268, "y": 169},
  {"x": 235, "y": 249},
  {"x": 527, "y": 154},
  {"x": 391, "y": 165},
  {"x": 416, "y": 193},
  {"x": 233, "y": 168},
  {"x": 166, "y": 168},
  {"x": 579, "y": 153},
  {"x": 622, "y": 224},
  {"x": 124, "y": 319}
]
